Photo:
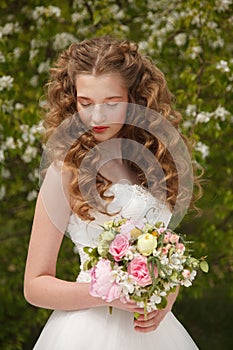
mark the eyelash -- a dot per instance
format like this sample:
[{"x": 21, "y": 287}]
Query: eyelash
[{"x": 111, "y": 105}]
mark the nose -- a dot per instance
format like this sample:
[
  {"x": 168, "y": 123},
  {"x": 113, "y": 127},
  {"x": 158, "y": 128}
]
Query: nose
[{"x": 98, "y": 115}]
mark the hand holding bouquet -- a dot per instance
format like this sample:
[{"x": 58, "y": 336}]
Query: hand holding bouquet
[{"x": 141, "y": 262}]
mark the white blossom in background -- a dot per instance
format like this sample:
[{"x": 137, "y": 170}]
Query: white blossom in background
[
  {"x": 32, "y": 195},
  {"x": 9, "y": 29},
  {"x": 34, "y": 175},
  {"x": 6, "y": 173},
  {"x": 17, "y": 52},
  {"x": 9, "y": 143},
  {"x": 33, "y": 54},
  {"x": 19, "y": 106},
  {"x": 195, "y": 52},
  {"x": 223, "y": 5},
  {"x": 8, "y": 106},
  {"x": 191, "y": 111},
  {"x": 34, "y": 81},
  {"x": 187, "y": 124},
  {"x": 219, "y": 42},
  {"x": 223, "y": 66},
  {"x": 203, "y": 149},
  {"x": 212, "y": 25},
  {"x": 221, "y": 113},
  {"x": 203, "y": 117},
  {"x": 29, "y": 134},
  {"x": 78, "y": 17},
  {"x": 6, "y": 82},
  {"x": 49, "y": 11},
  {"x": 2, "y": 156},
  {"x": 2, "y": 58},
  {"x": 180, "y": 39},
  {"x": 62, "y": 40},
  {"x": 19, "y": 143},
  {"x": 44, "y": 67},
  {"x": 29, "y": 154},
  {"x": 36, "y": 43},
  {"x": 143, "y": 45},
  {"x": 2, "y": 192}
]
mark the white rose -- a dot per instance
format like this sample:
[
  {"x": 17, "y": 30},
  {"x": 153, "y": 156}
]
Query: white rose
[{"x": 146, "y": 244}]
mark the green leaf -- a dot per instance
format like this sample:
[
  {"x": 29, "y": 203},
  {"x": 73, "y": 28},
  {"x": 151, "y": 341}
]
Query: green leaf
[
  {"x": 163, "y": 304},
  {"x": 204, "y": 266}
]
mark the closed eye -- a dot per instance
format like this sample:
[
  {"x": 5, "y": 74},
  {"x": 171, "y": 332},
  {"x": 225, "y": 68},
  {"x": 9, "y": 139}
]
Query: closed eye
[
  {"x": 111, "y": 104},
  {"x": 85, "y": 104}
]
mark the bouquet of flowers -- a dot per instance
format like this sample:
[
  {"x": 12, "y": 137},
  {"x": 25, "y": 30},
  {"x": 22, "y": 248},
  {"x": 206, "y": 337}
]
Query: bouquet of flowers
[{"x": 140, "y": 261}]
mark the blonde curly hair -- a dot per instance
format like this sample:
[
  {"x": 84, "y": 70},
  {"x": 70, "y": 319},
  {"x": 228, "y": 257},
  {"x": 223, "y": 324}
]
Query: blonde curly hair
[{"x": 146, "y": 87}]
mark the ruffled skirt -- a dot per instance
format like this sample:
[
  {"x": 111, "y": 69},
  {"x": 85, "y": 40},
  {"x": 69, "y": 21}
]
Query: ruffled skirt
[{"x": 97, "y": 329}]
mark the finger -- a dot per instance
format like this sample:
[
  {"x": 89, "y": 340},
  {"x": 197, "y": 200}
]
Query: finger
[
  {"x": 146, "y": 323},
  {"x": 148, "y": 316},
  {"x": 146, "y": 330}
]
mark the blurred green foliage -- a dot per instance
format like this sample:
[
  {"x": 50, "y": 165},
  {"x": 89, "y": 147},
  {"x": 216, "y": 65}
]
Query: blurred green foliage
[{"x": 191, "y": 43}]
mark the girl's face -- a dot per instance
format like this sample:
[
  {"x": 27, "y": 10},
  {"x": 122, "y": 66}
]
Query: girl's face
[{"x": 99, "y": 104}]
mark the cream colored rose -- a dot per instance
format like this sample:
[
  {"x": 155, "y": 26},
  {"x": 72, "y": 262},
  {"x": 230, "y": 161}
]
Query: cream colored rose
[{"x": 146, "y": 244}]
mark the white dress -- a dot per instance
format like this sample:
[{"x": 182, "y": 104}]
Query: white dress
[{"x": 96, "y": 328}]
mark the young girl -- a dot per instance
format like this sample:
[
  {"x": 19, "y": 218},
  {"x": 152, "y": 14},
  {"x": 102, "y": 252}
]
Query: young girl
[{"x": 93, "y": 95}]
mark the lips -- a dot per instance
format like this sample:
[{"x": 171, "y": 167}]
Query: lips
[{"x": 100, "y": 128}]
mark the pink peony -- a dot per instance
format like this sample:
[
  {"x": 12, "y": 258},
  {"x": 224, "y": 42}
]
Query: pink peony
[
  {"x": 101, "y": 282},
  {"x": 119, "y": 247},
  {"x": 138, "y": 270}
]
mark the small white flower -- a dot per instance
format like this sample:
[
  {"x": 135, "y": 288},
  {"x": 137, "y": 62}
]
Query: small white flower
[
  {"x": 195, "y": 51},
  {"x": 2, "y": 192},
  {"x": 33, "y": 54},
  {"x": 203, "y": 117},
  {"x": 223, "y": 66},
  {"x": 32, "y": 195},
  {"x": 34, "y": 81},
  {"x": 2, "y": 58},
  {"x": 5, "y": 173},
  {"x": 222, "y": 5},
  {"x": 203, "y": 149},
  {"x": 180, "y": 39},
  {"x": 221, "y": 113},
  {"x": 44, "y": 67},
  {"x": 17, "y": 52},
  {"x": 10, "y": 143},
  {"x": 6, "y": 82},
  {"x": 2, "y": 157},
  {"x": 191, "y": 110},
  {"x": 19, "y": 106},
  {"x": 62, "y": 40},
  {"x": 29, "y": 154}
]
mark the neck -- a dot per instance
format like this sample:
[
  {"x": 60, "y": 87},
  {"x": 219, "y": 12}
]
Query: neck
[{"x": 111, "y": 150}]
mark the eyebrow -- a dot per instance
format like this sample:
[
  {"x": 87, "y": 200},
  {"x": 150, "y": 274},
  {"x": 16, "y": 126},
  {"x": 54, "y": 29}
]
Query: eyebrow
[{"x": 106, "y": 98}]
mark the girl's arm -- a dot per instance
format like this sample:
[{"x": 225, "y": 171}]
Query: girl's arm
[{"x": 41, "y": 287}]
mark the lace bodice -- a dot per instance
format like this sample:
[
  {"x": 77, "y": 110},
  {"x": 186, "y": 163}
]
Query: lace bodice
[{"x": 130, "y": 201}]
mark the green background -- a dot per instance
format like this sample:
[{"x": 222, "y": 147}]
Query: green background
[{"x": 191, "y": 42}]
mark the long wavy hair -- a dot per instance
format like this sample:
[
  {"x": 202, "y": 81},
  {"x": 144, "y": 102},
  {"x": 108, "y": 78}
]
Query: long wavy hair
[{"x": 146, "y": 86}]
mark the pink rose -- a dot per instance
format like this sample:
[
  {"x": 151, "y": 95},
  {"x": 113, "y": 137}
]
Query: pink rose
[
  {"x": 180, "y": 247},
  {"x": 119, "y": 246},
  {"x": 101, "y": 284},
  {"x": 174, "y": 238},
  {"x": 137, "y": 268},
  {"x": 167, "y": 237}
]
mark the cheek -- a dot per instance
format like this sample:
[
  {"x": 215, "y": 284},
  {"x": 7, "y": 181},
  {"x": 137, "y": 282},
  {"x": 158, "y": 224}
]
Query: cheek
[
  {"x": 119, "y": 116},
  {"x": 84, "y": 116}
]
